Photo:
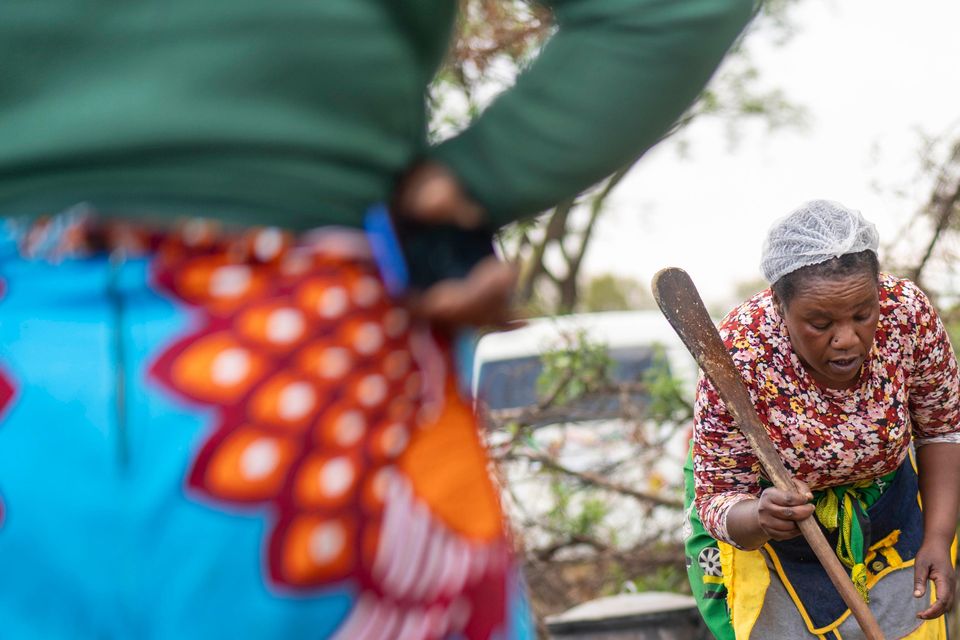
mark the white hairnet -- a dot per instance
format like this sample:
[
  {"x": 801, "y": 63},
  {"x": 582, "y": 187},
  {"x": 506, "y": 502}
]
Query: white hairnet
[{"x": 814, "y": 233}]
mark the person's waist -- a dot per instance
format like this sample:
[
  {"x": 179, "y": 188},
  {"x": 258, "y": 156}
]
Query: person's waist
[{"x": 82, "y": 231}]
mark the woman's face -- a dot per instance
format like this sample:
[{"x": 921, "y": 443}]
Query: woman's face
[{"x": 831, "y": 323}]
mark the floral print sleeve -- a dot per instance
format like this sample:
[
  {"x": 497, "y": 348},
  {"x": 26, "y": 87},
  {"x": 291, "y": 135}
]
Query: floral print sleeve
[
  {"x": 725, "y": 470},
  {"x": 934, "y": 381}
]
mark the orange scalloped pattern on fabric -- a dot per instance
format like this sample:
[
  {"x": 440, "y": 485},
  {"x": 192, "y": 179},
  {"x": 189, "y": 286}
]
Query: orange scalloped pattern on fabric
[
  {"x": 291, "y": 355},
  {"x": 322, "y": 420},
  {"x": 434, "y": 463}
]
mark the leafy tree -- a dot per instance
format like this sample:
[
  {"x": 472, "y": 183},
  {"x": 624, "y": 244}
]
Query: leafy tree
[
  {"x": 610, "y": 292},
  {"x": 496, "y": 39}
]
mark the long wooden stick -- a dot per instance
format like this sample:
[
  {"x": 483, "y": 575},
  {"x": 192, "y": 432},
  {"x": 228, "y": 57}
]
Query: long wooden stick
[{"x": 681, "y": 304}]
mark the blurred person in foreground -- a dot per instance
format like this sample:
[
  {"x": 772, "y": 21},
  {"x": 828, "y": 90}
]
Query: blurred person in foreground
[
  {"x": 226, "y": 427},
  {"x": 852, "y": 371}
]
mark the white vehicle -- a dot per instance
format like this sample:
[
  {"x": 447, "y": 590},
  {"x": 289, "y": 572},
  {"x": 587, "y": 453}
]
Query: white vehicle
[
  {"x": 505, "y": 373},
  {"x": 506, "y": 365}
]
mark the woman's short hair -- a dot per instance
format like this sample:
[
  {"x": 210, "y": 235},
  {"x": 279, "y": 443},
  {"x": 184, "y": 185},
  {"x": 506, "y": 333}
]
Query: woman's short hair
[{"x": 863, "y": 263}]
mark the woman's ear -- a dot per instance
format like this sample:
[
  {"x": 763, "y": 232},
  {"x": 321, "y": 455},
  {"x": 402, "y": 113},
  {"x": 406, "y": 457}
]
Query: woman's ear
[{"x": 778, "y": 304}]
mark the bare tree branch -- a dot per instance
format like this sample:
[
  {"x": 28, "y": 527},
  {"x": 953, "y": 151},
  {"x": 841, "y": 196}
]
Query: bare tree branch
[
  {"x": 572, "y": 540},
  {"x": 944, "y": 202},
  {"x": 555, "y": 229},
  {"x": 595, "y": 480}
]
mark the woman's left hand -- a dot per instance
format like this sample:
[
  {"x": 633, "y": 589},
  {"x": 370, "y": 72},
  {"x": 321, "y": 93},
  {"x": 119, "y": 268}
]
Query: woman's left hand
[
  {"x": 482, "y": 298},
  {"x": 431, "y": 194},
  {"x": 933, "y": 563}
]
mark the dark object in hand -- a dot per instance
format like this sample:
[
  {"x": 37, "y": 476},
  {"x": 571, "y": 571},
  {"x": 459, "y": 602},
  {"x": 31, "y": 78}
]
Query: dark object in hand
[{"x": 438, "y": 252}]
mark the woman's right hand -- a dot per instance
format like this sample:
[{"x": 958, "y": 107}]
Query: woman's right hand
[
  {"x": 778, "y": 512},
  {"x": 752, "y": 523}
]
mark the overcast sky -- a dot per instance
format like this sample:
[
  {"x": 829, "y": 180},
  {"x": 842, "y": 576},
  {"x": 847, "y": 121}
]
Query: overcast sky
[{"x": 872, "y": 75}]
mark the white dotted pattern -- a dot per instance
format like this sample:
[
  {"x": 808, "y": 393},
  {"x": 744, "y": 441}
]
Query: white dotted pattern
[
  {"x": 230, "y": 367},
  {"x": 268, "y": 244},
  {"x": 327, "y": 541},
  {"x": 334, "y": 363},
  {"x": 366, "y": 291},
  {"x": 333, "y": 302},
  {"x": 285, "y": 326},
  {"x": 336, "y": 477},
  {"x": 368, "y": 339},
  {"x": 372, "y": 390},
  {"x": 259, "y": 459},
  {"x": 230, "y": 281},
  {"x": 297, "y": 400},
  {"x": 395, "y": 439},
  {"x": 349, "y": 428}
]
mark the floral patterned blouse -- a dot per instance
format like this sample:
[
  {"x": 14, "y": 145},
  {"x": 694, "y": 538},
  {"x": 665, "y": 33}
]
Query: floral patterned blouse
[{"x": 909, "y": 388}]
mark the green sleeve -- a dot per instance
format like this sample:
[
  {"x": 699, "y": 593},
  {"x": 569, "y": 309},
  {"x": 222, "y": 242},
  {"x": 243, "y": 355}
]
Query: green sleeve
[{"x": 615, "y": 76}]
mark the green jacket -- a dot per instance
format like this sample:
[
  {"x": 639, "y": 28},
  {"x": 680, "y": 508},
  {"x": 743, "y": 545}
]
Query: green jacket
[{"x": 301, "y": 113}]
